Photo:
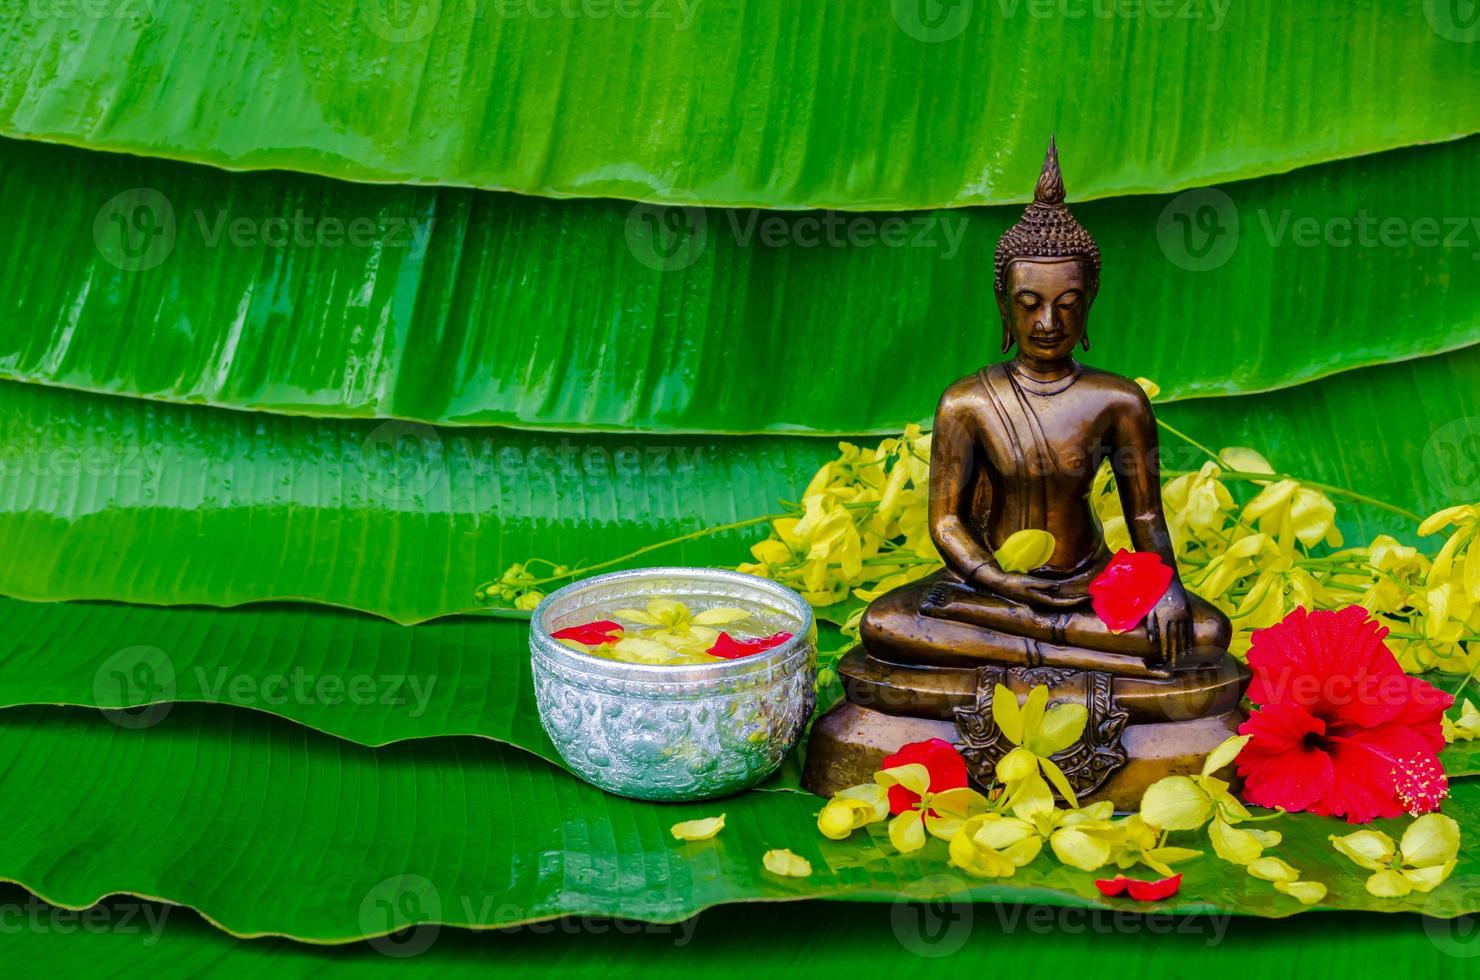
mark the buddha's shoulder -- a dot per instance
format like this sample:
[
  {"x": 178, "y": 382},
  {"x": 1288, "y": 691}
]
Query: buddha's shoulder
[
  {"x": 963, "y": 394},
  {"x": 1112, "y": 384}
]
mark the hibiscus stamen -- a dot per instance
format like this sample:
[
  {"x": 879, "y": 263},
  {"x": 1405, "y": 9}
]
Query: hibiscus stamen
[{"x": 1420, "y": 783}]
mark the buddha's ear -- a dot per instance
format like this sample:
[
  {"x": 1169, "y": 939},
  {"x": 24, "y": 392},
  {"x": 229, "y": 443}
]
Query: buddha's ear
[
  {"x": 1084, "y": 338},
  {"x": 1006, "y": 326}
]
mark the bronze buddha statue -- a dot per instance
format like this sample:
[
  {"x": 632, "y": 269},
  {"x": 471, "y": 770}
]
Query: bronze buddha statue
[{"x": 1016, "y": 445}]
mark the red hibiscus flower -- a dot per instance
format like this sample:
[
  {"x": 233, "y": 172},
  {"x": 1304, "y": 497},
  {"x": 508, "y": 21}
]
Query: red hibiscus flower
[
  {"x": 1141, "y": 891},
  {"x": 1129, "y": 587},
  {"x": 947, "y": 770},
  {"x": 592, "y": 634},
  {"x": 729, "y": 648},
  {"x": 1341, "y": 730}
]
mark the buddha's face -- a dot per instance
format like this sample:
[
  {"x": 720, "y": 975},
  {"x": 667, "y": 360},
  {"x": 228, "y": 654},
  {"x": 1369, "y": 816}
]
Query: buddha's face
[{"x": 1045, "y": 306}]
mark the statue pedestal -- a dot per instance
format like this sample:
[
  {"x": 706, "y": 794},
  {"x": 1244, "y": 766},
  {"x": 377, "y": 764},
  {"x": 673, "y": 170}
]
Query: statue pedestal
[{"x": 1139, "y": 730}]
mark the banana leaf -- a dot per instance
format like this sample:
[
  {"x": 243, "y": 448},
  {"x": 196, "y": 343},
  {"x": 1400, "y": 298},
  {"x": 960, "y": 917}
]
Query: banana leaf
[
  {"x": 163, "y": 280},
  {"x": 124, "y": 499},
  {"x": 332, "y": 842},
  {"x": 859, "y": 106},
  {"x": 182, "y": 505},
  {"x": 352, "y": 676},
  {"x": 146, "y": 939}
]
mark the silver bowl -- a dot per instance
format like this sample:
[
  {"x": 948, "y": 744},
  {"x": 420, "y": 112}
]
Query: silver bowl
[{"x": 687, "y": 732}]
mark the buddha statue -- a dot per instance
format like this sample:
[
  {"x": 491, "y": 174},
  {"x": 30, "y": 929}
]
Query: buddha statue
[{"x": 1016, "y": 446}]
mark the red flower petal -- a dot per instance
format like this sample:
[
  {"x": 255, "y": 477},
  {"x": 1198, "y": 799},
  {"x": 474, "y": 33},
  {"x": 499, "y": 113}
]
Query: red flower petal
[
  {"x": 729, "y": 648},
  {"x": 947, "y": 770},
  {"x": 1332, "y": 663},
  {"x": 1131, "y": 584},
  {"x": 1154, "y": 891},
  {"x": 1141, "y": 891},
  {"x": 591, "y": 634},
  {"x": 1284, "y": 764},
  {"x": 1367, "y": 763}
]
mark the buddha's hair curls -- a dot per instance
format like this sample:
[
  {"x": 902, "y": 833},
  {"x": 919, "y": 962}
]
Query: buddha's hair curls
[{"x": 1047, "y": 229}]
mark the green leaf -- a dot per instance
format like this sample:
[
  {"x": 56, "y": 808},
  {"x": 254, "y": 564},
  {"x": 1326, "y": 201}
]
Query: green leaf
[
  {"x": 140, "y": 501},
  {"x": 859, "y": 105},
  {"x": 353, "y": 676},
  {"x": 108, "y": 498},
  {"x": 330, "y": 841},
  {"x": 802, "y": 939},
  {"x": 527, "y": 312}
]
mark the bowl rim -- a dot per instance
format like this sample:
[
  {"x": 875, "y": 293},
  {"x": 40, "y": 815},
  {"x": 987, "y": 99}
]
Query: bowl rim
[{"x": 543, "y": 644}]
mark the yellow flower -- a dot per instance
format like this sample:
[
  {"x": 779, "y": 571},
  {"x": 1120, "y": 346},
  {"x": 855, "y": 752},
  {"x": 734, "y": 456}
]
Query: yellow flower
[
  {"x": 1286, "y": 879},
  {"x": 942, "y": 814},
  {"x": 1137, "y": 842},
  {"x": 1038, "y": 732},
  {"x": 1083, "y": 838},
  {"x": 1399, "y": 571},
  {"x": 702, "y": 829},
  {"x": 1025, "y": 550},
  {"x": 1189, "y": 802},
  {"x": 528, "y": 600},
  {"x": 852, "y": 808},
  {"x": 991, "y": 845},
  {"x": 1421, "y": 861},
  {"x": 673, "y": 626},
  {"x": 1197, "y": 507},
  {"x": 786, "y": 864},
  {"x": 1466, "y": 727},
  {"x": 1291, "y": 512},
  {"x": 1105, "y": 501}
]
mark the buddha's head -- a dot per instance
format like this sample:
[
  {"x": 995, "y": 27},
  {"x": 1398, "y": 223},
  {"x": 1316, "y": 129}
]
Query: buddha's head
[{"x": 1048, "y": 272}]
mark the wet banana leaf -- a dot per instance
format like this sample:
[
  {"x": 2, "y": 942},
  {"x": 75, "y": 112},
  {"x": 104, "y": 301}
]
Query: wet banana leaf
[
  {"x": 312, "y": 296},
  {"x": 146, "y": 939},
  {"x": 876, "y": 105},
  {"x": 353, "y": 676},
  {"x": 329, "y": 841},
  {"x": 124, "y": 499}
]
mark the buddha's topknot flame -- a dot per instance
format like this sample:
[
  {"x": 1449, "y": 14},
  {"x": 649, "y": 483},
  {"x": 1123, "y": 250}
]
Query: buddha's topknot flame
[{"x": 1047, "y": 229}]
